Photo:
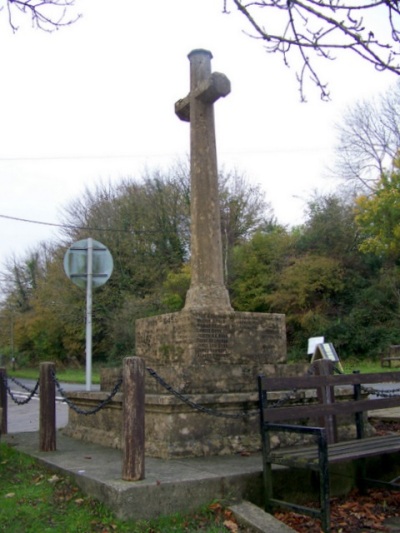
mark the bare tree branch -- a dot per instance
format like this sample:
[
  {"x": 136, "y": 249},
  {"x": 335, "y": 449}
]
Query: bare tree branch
[
  {"x": 369, "y": 140},
  {"x": 46, "y": 15},
  {"x": 318, "y": 28}
]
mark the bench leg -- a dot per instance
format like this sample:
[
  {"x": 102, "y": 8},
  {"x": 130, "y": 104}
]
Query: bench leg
[
  {"x": 268, "y": 489},
  {"x": 360, "y": 466},
  {"x": 324, "y": 489}
]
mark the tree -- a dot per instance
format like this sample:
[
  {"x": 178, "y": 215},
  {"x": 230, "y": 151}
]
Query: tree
[
  {"x": 329, "y": 228},
  {"x": 378, "y": 217},
  {"x": 369, "y": 139},
  {"x": 145, "y": 225},
  {"x": 47, "y": 15},
  {"x": 256, "y": 268},
  {"x": 306, "y": 292},
  {"x": 244, "y": 211},
  {"x": 320, "y": 28}
]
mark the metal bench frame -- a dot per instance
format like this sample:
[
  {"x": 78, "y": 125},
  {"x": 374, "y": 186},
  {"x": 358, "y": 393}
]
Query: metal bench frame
[{"x": 326, "y": 450}]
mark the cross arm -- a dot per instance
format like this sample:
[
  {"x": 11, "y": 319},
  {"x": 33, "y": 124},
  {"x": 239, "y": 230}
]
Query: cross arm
[{"x": 217, "y": 86}]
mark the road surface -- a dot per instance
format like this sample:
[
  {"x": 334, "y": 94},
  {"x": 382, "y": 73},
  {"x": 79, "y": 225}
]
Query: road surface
[{"x": 25, "y": 417}]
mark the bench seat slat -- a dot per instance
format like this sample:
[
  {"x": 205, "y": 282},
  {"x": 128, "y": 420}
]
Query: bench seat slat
[
  {"x": 308, "y": 406},
  {"x": 339, "y": 452}
]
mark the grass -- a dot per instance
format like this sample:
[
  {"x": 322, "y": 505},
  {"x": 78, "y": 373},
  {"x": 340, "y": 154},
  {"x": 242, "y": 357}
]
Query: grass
[
  {"x": 70, "y": 375},
  {"x": 73, "y": 375},
  {"x": 33, "y": 499},
  {"x": 365, "y": 366}
]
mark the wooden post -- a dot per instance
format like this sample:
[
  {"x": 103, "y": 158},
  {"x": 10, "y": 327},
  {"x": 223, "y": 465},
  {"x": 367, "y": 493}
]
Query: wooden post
[
  {"x": 133, "y": 419},
  {"x": 3, "y": 401},
  {"x": 326, "y": 395},
  {"x": 47, "y": 428}
]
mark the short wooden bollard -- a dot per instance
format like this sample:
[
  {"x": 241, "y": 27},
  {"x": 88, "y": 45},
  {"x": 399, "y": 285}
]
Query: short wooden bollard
[
  {"x": 47, "y": 422},
  {"x": 3, "y": 402},
  {"x": 133, "y": 419}
]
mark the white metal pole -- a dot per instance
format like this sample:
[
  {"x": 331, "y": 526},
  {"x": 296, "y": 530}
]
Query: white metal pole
[{"x": 89, "y": 285}]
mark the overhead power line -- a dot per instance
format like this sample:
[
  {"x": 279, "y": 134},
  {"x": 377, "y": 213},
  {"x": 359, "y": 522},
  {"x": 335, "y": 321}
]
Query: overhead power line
[
  {"x": 71, "y": 226},
  {"x": 267, "y": 151}
]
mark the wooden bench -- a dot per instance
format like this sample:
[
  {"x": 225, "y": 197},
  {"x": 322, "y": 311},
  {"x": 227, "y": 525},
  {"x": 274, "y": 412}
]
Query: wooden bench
[
  {"x": 392, "y": 355},
  {"x": 321, "y": 403}
]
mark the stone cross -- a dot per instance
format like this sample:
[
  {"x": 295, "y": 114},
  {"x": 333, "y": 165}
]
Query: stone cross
[{"x": 207, "y": 290}]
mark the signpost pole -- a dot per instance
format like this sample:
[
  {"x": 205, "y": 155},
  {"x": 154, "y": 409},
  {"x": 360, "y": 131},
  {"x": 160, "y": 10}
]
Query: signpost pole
[
  {"x": 89, "y": 286},
  {"x": 88, "y": 264}
]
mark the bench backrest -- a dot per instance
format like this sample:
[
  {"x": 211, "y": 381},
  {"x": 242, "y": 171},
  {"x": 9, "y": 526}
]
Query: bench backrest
[{"x": 322, "y": 397}]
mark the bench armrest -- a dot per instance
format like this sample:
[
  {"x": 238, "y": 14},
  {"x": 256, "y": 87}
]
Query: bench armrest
[
  {"x": 293, "y": 428},
  {"x": 320, "y": 439}
]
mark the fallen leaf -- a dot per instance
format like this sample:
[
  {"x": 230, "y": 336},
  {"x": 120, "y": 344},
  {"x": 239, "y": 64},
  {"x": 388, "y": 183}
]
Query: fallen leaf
[
  {"x": 9, "y": 495},
  {"x": 215, "y": 506},
  {"x": 232, "y": 526},
  {"x": 54, "y": 479}
]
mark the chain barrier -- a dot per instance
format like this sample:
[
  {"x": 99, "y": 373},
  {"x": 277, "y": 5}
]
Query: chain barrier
[
  {"x": 291, "y": 395},
  {"x": 196, "y": 406},
  {"x": 24, "y": 387},
  {"x": 93, "y": 410},
  {"x": 13, "y": 396},
  {"x": 380, "y": 393}
]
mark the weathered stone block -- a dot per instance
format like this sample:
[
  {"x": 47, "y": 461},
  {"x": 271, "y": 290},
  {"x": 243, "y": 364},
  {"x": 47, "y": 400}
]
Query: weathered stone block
[
  {"x": 172, "y": 428},
  {"x": 202, "y": 352}
]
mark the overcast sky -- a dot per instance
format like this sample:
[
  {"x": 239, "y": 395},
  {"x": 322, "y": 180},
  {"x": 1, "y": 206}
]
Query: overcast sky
[{"x": 95, "y": 102}]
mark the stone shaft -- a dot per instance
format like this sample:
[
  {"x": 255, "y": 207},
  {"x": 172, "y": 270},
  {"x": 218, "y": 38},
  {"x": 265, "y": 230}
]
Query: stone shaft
[{"x": 207, "y": 290}]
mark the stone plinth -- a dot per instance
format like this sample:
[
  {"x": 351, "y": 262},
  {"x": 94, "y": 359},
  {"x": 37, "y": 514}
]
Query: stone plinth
[
  {"x": 172, "y": 429},
  {"x": 103, "y": 427},
  {"x": 211, "y": 358},
  {"x": 201, "y": 352}
]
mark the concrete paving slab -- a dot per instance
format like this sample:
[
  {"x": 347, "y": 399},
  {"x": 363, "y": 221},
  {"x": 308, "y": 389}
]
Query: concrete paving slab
[
  {"x": 249, "y": 515},
  {"x": 175, "y": 485},
  {"x": 388, "y": 415},
  {"x": 170, "y": 486}
]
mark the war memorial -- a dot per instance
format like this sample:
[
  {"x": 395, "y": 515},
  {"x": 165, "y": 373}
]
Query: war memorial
[{"x": 203, "y": 361}]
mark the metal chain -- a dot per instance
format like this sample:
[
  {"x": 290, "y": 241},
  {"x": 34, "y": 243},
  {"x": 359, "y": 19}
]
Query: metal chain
[
  {"x": 14, "y": 380},
  {"x": 381, "y": 393},
  {"x": 194, "y": 405},
  {"x": 95, "y": 409},
  {"x": 14, "y": 398},
  {"x": 290, "y": 395},
  {"x": 293, "y": 394}
]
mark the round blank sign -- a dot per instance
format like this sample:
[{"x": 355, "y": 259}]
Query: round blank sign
[{"x": 76, "y": 263}]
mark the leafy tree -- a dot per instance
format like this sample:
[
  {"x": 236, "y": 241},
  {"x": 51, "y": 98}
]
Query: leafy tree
[
  {"x": 378, "y": 217},
  {"x": 320, "y": 28},
  {"x": 330, "y": 227},
  {"x": 306, "y": 293},
  {"x": 145, "y": 225},
  {"x": 244, "y": 211},
  {"x": 256, "y": 268},
  {"x": 175, "y": 288},
  {"x": 20, "y": 278}
]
